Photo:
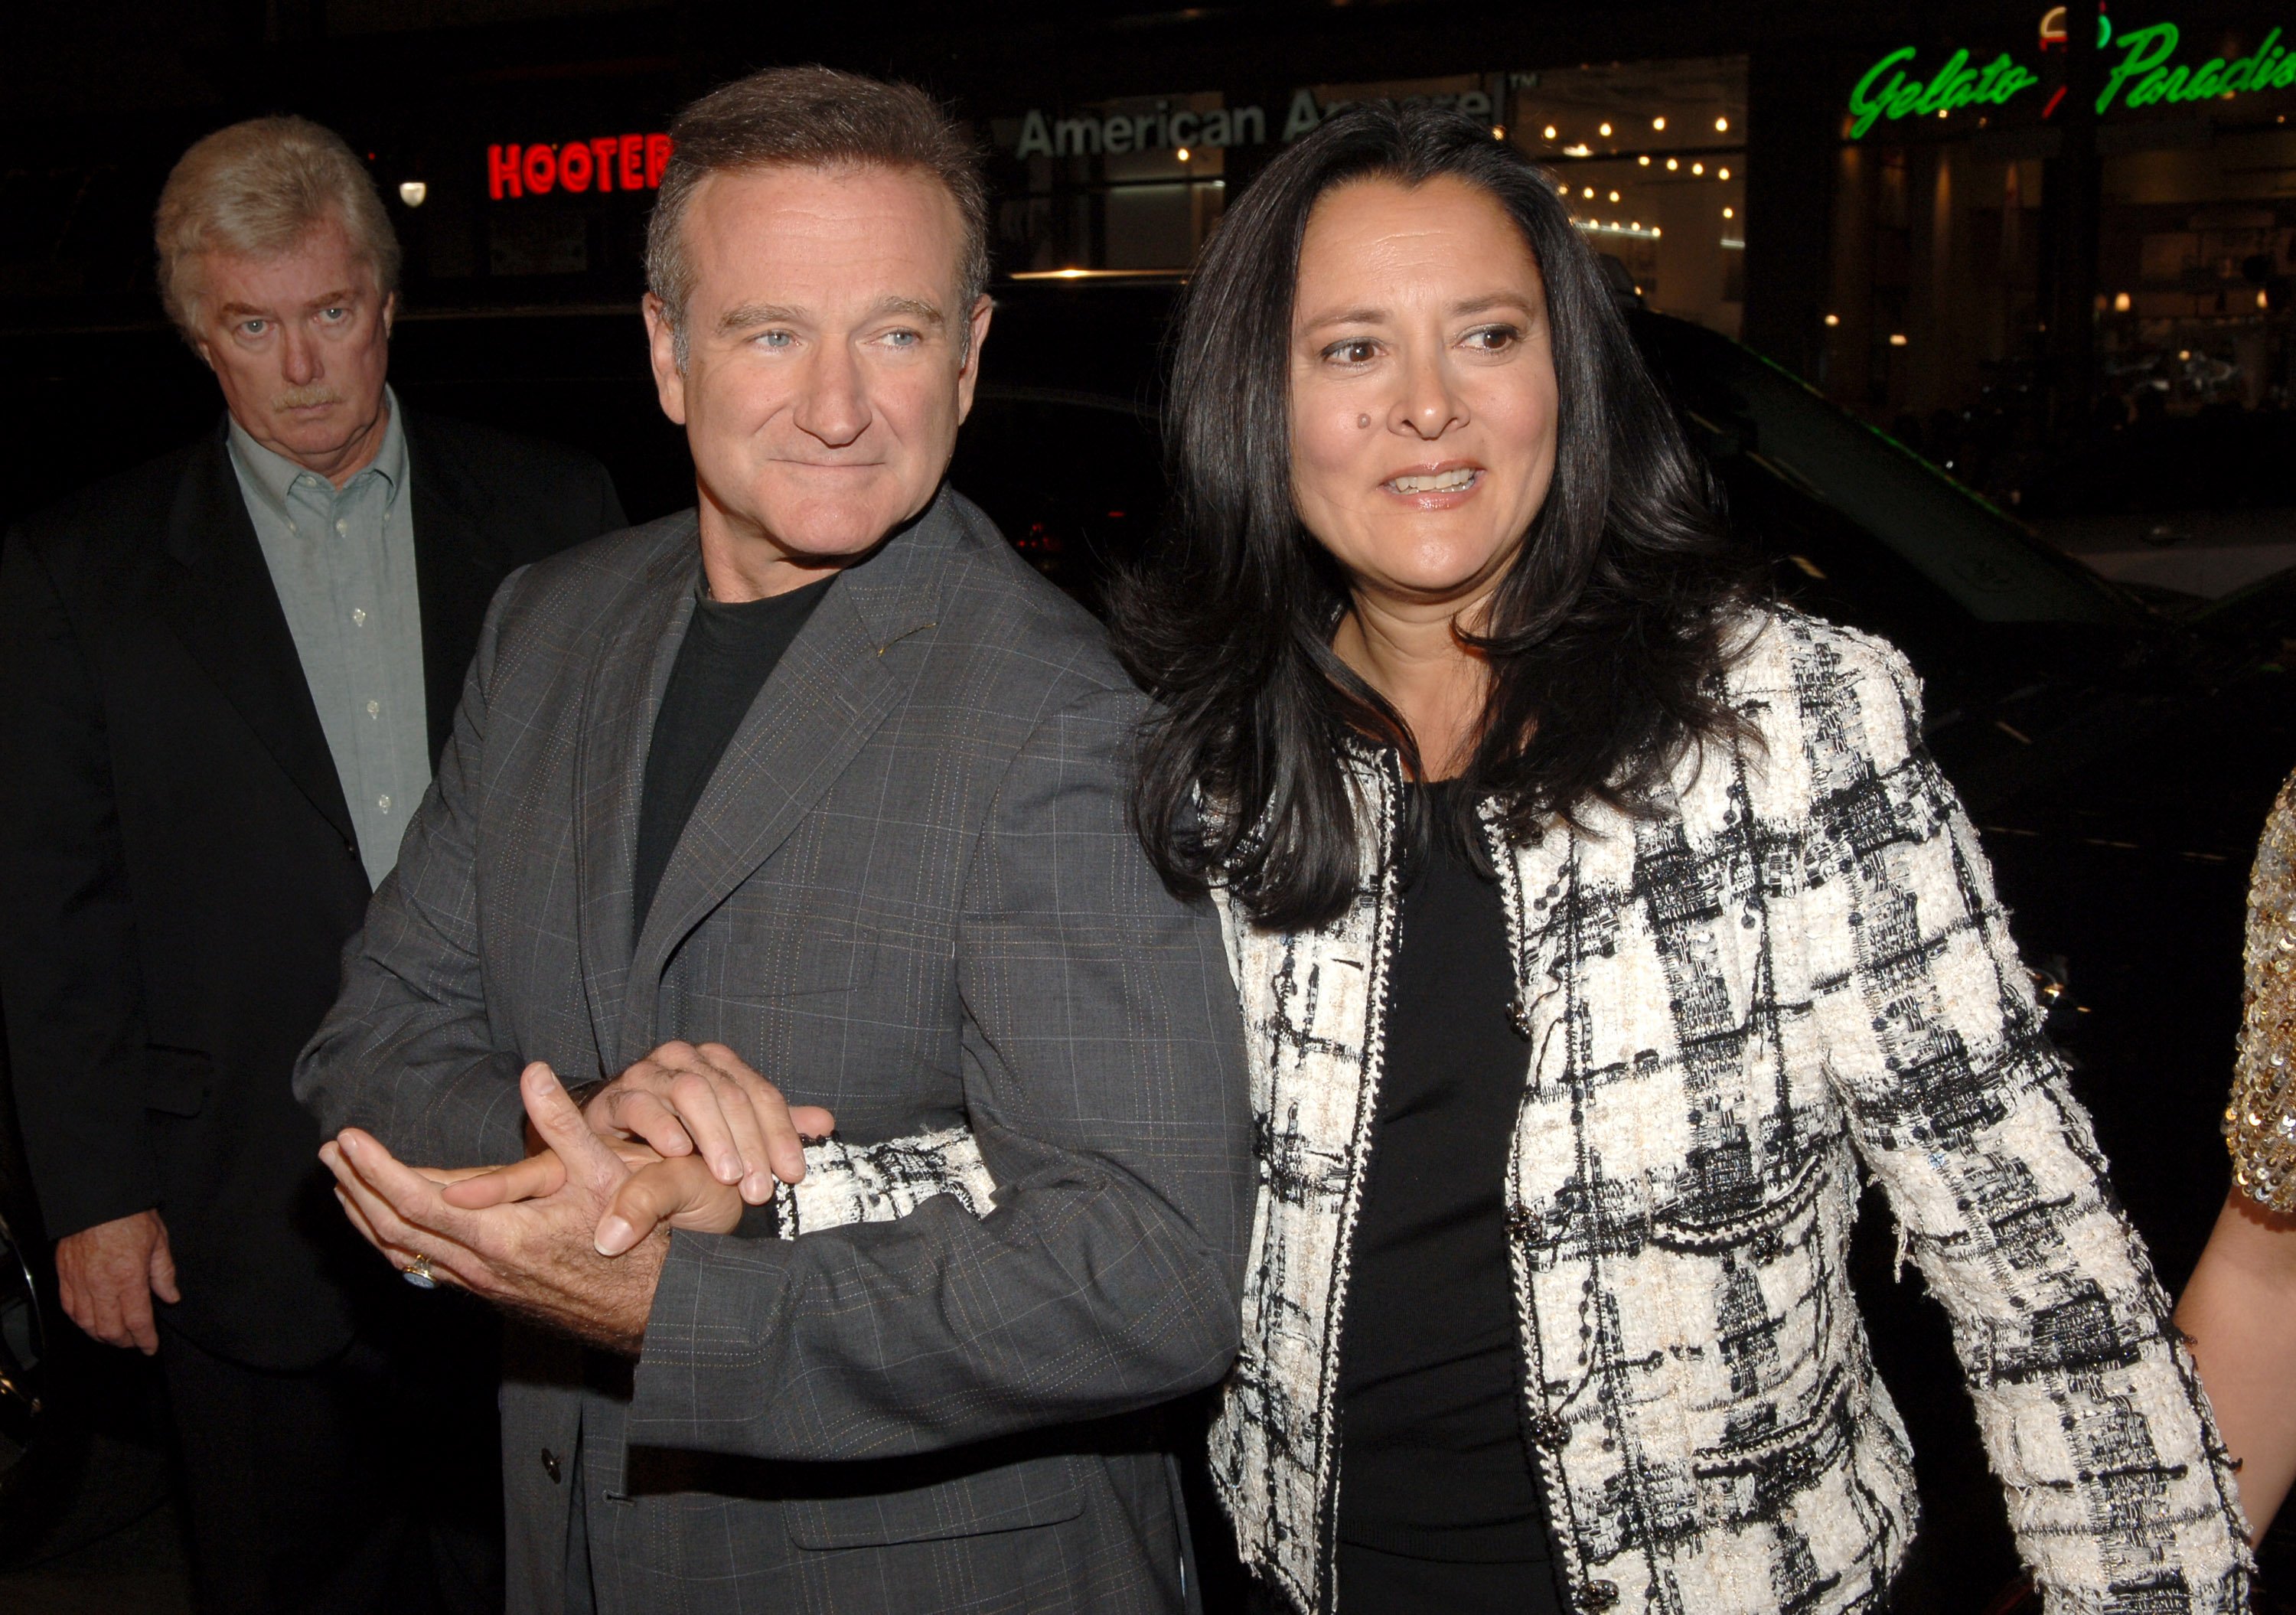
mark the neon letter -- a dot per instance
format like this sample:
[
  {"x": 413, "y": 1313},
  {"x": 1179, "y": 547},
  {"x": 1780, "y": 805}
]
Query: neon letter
[
  {"x": 541, "y": 168},
  {"x": 2145, "y": 49},
  {"x": 633, "y": 162},
  {"x": 657, "y": 160},
  {"x": 1862, "y": 100},
  {"x": 502, "y": 172}
]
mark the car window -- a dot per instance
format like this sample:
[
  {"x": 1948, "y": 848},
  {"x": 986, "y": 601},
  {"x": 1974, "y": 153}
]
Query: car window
[
  {"x": 1744, "y": 408},
  {"x": 1073, "y": 478}
]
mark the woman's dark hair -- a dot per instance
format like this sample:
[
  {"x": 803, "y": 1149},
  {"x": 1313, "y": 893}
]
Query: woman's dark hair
[{"x": 1603, "y": 641}]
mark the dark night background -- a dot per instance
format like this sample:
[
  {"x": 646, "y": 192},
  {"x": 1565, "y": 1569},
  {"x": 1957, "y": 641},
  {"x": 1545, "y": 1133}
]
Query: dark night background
[{"x": 2043, "y": 443}]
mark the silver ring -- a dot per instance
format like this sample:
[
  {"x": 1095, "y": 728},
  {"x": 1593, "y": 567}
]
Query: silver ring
[{"x": 418, "y": 1274}]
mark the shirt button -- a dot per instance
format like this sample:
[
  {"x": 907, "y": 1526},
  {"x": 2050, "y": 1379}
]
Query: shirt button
[
  {"x": 358, "y": 617},
  {"x": 343, "y": 526},
  {"x": 375, "y": 708},
  {"x": 383, "y": 803}
]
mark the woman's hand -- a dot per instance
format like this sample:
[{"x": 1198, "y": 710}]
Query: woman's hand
[
  {"x": 2239, "y": 1313},
  {"x": 682, "y": 1192}
]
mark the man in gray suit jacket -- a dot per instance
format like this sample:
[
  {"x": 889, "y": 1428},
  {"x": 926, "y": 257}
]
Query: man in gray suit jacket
[{"x": 819, "y": 780}]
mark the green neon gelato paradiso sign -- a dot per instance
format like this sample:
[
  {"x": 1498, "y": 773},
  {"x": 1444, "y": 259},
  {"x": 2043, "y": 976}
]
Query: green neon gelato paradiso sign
[{"x": 2140, "y": 70}]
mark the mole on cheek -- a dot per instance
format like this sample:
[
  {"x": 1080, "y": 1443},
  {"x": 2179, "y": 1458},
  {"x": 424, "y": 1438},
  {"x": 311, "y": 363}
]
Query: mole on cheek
[{"x": 1362, "y": 420}]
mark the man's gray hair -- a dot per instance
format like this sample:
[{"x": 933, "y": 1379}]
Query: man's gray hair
[
  {"x": 814, "y": 118},
  {"x": 258, "y": 188}
]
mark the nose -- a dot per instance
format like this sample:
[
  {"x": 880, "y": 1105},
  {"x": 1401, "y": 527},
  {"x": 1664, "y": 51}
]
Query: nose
[
  {"x": 834, "y": 406},
  {"x": 1429, "y": 403},
  {"x": 299, "y": 364}
]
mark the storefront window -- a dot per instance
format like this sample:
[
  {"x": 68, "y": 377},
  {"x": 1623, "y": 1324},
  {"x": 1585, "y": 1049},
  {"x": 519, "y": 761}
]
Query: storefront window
[{"x": 1651, "y": 157}]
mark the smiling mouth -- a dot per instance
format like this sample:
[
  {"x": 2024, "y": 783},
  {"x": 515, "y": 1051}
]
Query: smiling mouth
[{"x": 1436, "y": 482}]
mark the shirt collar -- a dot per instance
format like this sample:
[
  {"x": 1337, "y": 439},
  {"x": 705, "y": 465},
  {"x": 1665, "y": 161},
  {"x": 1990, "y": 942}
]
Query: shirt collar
[{"x": 272, "y": 475}]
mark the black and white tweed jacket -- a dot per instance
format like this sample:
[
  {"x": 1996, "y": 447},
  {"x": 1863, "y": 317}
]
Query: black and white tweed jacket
[{"x": 1797, "y": 971}]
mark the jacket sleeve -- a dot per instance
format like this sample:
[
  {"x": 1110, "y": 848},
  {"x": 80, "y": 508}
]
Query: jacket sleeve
[
  {"x": 70, "y": 980},
  {"x": 408, "y": 1052},
  {"x": 1103, "y": 1058},
  {"x": 2120, "y": 1489}
]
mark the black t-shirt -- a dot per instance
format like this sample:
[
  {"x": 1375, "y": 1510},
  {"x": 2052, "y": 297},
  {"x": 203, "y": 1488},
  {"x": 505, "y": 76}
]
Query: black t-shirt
[
  {"x": 1433, "y": 1465},
  {"x": 729, "y": 653}
]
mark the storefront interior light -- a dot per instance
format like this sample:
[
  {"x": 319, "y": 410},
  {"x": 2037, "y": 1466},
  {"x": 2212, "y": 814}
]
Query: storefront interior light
[
  {"x": 1614, "y": 196},
  {"x": 1671, "y": 165},
  {"x": 1897, "y": 339},
  {"x": 1498, "y": 131},
  {"x": 1658, "y": 123},
  {"x": 1590, "y": 193},
  {"x": 1732, "y": 213},
  {"x": 1182, "y": 154},
  {"x": 1548, "y": 131},
  {"x": 413, "y": 192},
  {"x": 1833, "y": 319},
  {"x": 1698, "y": 168},
  {"x": 2263, "y": 299},
  {"x": 2183, "y": 353},
  {"x": 2121, "y": 302},
  {"x": 1721, "y": 173},
  {"x": 1721, "y": 126},
  {"x": 1580, "y": 149},
  {"x": 1644, "y": 160},
  {"x": 1604, "y": 131}
]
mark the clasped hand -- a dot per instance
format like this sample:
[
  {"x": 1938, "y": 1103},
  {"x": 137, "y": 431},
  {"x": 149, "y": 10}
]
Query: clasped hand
[{"x": 685, "y": 1138}]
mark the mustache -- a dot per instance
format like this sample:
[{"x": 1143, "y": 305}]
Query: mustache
[{"x": 304, "y": 398}]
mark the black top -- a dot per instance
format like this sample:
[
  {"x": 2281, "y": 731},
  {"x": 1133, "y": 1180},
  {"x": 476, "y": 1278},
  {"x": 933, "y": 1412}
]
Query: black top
[
  {"x": 1434, "y": 1462},
  {"x": 729, "y": 653}
]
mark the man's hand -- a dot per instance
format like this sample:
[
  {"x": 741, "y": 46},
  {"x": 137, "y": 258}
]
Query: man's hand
[
  {"x": 682, "y": 1100},
  {"x": 109, "y": 1274},
  {"x": 682, "y": 1192},
  {"x": 537, "y": 1257}
]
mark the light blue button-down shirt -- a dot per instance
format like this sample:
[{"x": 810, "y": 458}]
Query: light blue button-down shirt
[{"x": 344, "y": 562}]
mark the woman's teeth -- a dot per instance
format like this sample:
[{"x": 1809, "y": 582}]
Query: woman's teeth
[{"x": 1441, "y": 482}]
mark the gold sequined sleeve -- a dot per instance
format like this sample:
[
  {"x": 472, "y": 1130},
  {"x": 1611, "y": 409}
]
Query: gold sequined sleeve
[{"x": 2260, "y": 1123}]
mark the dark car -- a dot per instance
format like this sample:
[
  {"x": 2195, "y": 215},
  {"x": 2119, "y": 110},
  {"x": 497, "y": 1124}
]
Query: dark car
[{"x": 2118, "y": 760}]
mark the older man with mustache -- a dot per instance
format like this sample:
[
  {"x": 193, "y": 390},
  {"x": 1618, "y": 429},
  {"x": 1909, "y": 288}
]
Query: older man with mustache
[{"x": 224, "y": 678}]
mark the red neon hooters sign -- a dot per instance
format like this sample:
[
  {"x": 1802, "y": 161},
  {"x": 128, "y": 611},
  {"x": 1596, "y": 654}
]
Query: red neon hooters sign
[{"x": 610, "y": 162}]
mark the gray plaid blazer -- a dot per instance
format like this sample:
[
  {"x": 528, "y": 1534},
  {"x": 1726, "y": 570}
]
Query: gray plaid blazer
[{"x": 910, "y": 894}]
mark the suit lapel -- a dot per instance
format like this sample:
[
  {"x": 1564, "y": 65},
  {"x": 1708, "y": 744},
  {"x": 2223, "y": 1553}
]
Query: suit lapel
[
  {"x": 455, "y": 568},
  {"x": 618, "y": 705},
  {"x": 226, "y": 611},
  {"x": 831, "y": 690}
]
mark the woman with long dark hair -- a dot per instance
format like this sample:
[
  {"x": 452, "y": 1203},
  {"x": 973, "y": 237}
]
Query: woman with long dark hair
[{"x": 1598, "y": 931}]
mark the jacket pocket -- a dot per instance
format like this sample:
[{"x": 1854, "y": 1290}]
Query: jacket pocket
[
  {"x": 1011, "y": 1498},
  {"x": 176, "y": 1080}
]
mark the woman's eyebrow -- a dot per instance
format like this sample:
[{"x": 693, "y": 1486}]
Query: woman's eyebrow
[
  {"x": 1345, "y": 317},
  {"x": 1496, "y": 299}
]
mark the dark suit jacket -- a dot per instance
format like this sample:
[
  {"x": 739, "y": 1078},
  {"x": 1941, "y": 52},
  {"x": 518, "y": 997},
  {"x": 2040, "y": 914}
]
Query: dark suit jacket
[
  {"x": 909, "y": 893},
  {"x": 180, "y": 867}
]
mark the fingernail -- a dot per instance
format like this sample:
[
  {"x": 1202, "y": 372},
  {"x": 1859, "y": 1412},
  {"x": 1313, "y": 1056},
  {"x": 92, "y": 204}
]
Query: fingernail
[
  {"x": 729, "y": 1169},
  {"x": 615, "y": 1236},
  {"x": 756, "y": 1189}
]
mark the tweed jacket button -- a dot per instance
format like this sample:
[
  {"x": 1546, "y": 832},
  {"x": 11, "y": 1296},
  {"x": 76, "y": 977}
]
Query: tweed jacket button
[
  {"x": 1548, "y": 1430},
  {"x": 550, "y": 1464},
  {"x": 1519, "y": 1017},
  {"x": 1599, "y": 1595}
]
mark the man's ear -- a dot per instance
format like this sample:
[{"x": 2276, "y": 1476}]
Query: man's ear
[
  {"x": 662, "y": 343},
  {"x": 389, "y": 313},
  {"x": 976, "y": 337}
]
